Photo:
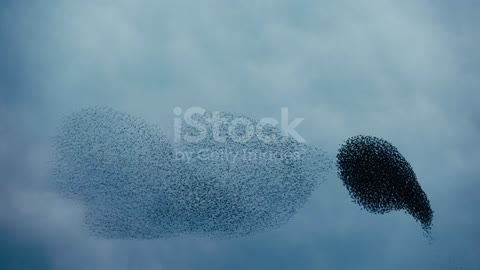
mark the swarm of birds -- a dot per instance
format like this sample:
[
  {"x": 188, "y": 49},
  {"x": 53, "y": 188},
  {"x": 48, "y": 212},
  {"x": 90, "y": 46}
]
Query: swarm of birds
[
  {"x": 137, "y": 184},
  {"x": 380, "y": 179}
]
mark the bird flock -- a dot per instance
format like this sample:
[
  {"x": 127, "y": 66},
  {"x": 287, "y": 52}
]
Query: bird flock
[
  {"x": 136, "y": 183},
  {"x": 381, "y": 180}
]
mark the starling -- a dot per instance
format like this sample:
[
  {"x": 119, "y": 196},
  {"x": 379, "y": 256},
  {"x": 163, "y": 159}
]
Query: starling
[
  {"x": 381, "y": 180},
  {"x": 137, "y": 184}
]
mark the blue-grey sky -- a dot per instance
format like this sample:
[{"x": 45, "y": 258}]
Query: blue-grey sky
[{"x": 407, "y": 71}]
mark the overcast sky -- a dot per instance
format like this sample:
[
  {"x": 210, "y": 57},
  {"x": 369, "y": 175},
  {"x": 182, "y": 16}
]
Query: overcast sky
[{"x": 406, "y": 71}]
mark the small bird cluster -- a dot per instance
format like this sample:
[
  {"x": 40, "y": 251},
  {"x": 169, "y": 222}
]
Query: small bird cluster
[
  {"x": 136, "y": 184},
  {"x": 380, "y": 179}
]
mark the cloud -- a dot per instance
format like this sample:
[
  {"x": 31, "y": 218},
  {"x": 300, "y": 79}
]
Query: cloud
[{"x": 406, "y": 72}]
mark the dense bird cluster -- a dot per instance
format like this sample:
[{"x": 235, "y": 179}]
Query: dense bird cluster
[
  {"x": 136, "y": 183},
  {"x": 380, "y": 180}
]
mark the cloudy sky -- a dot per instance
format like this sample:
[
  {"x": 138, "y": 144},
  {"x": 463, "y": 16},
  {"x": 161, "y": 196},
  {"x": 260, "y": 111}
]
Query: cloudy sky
[{"x": 406, "y": 71}]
